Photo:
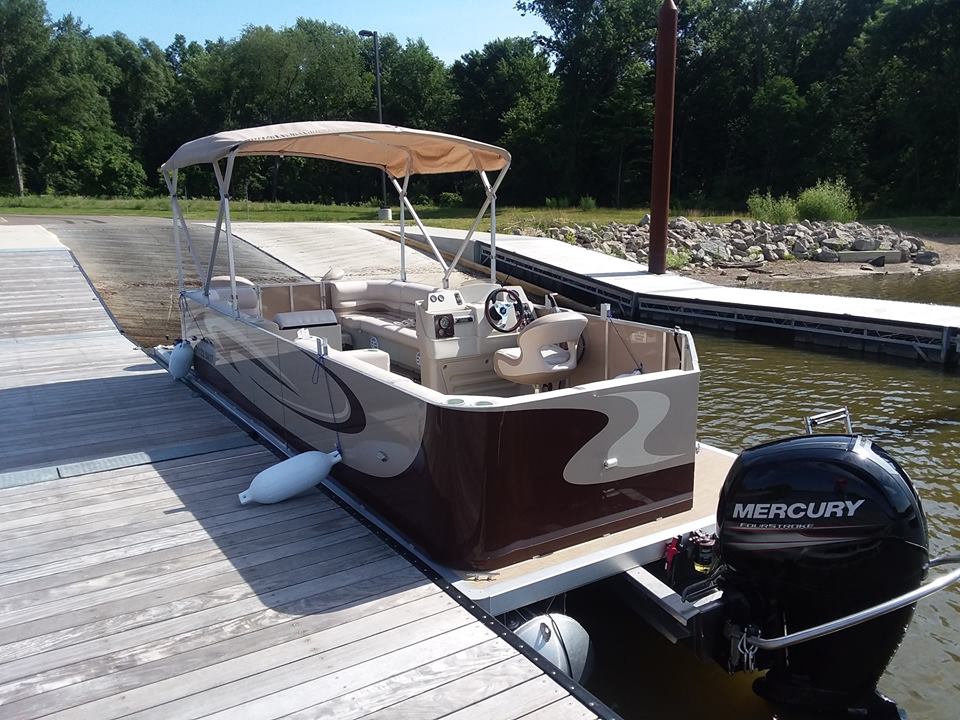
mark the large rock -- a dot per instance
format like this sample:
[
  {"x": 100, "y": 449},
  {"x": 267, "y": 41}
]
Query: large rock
[
  {"x": 716, "y": 248},
  {"x": 613, "y": 248},
  {"x": 927, "y": 257},
  {"x": 905, "y": 249},
  {"x": 836, "y": 243},
  {"x": 866, "y": 243},
  {"x": 827, "y": 254}
]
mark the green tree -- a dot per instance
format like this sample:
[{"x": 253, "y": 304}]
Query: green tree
[
  {"x": 507, "y": 95},
  {"x": 141, "y": 93},
  {"x": 416, "y": 88},
  {"x": 601, "y": 52},
  {"x": 907, "y": 65},
  {"x": 24, "y": 46},
  {"x": 776, "y": 120},
  {"x": 82, "y": 152},
  {"x": 489, "y": 83}
]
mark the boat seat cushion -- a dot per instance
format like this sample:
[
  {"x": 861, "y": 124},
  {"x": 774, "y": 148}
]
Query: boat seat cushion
[
  {"x": 392, "y": 295},
  {"x": 398, "y": 327},
  {"x": 247, "y": 296},
  {"x": 305, "y": 319},
  {"x": 247, "y": 299},
  {"x": 385, "y": 308}
]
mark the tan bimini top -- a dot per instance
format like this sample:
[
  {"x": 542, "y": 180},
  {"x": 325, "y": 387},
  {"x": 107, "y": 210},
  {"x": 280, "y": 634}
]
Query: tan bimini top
[{"x": 400, "y": 151}]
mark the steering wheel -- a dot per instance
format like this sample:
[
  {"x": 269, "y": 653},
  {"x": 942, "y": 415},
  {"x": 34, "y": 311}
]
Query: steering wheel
[{"x": 496, "y": 310}]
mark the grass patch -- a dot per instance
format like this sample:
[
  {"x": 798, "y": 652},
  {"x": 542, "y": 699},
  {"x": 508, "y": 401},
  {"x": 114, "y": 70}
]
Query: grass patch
[
  {"x": 198, "y": 209},
  {"x": 508, "y": 218},
  {"x": 767, "y": 208},
  {"x": 677, "y": 259}
]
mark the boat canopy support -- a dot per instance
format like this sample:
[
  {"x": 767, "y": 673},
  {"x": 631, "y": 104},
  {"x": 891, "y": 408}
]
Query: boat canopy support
[
  {"x": 399, "y": 152},
  {"x": 489, "y": 202},
  {"x": 179, "y": 223},
  {"x": 223, "y": 227}
]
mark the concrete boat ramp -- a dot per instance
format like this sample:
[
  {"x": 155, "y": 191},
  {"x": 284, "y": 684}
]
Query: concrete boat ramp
[
  {"x": 930, "y": 333},
  {"x": 135, "y": 585}
]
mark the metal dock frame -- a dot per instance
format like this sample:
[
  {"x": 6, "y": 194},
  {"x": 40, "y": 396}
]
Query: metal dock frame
[{"x": 940, "y": 345}]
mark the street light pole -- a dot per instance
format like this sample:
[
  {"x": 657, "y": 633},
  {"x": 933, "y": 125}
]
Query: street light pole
[{"x": 376, "y": 59}]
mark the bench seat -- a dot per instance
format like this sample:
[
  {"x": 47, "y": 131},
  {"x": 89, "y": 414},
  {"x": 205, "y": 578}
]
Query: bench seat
[
  {"x": 401, "y": 329},
  {"x": 384, "y": 309}
]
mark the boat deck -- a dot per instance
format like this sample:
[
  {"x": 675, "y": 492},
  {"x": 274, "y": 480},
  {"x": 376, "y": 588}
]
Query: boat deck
[{"x": 135, "y": 585}]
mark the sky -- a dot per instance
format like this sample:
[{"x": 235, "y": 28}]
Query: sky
[{"x": 450, "y": 28}]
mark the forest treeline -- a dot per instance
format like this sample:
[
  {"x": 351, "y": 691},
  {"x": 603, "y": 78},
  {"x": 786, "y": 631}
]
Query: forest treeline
[{"x": 771, "y": 95}]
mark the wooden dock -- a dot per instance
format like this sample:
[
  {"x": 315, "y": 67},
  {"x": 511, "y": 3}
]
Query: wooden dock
[{"x": 135, "y": 585}]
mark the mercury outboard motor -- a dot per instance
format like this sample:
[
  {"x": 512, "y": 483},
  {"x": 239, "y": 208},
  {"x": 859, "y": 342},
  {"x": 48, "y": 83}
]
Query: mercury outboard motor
[{"x": 812, "y": 529}]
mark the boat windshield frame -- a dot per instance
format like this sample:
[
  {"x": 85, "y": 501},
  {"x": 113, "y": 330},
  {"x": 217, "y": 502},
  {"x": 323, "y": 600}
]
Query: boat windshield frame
[{"x": 392, "y": 138}]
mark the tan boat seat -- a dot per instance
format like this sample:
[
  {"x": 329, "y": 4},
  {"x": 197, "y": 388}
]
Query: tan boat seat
[
  {"x": 247, "y": 297},
  {"x": 539, "y": 358},
  {"x": 383, "y": 308}
]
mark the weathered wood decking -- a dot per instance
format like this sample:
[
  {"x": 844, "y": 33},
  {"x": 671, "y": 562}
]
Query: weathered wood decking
[{"x": 133, "y": 584}]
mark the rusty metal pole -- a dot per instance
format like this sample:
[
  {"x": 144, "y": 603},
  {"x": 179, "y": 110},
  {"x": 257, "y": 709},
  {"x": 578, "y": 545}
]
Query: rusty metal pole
[{"x": 663, "y": 135}]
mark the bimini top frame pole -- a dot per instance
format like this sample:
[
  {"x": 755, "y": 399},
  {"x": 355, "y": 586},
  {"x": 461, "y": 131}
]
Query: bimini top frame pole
[
  {"x": 491, "y": 202},
  {"x": 223, "y": 182}
]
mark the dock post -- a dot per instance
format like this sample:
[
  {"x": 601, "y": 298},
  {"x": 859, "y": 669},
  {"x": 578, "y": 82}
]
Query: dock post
[{"x": 663, "y": 135}]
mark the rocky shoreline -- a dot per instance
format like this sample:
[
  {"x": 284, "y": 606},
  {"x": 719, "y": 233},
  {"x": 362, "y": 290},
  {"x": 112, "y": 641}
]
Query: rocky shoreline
[{"x": 745, "y": 244}]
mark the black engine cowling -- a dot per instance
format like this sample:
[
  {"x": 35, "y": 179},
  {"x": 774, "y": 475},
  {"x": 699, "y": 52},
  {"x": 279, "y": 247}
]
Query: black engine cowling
[{"x": 812, "y": 529}]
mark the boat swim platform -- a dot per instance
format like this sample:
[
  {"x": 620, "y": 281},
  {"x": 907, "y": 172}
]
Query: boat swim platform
[
  {"x": 135, "y": 585},
  {"x": 930, "y": 333}
]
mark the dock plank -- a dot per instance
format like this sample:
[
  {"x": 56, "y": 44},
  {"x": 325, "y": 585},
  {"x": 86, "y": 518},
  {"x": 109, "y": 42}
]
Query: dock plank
[
  {"x": 295, "y": 664},
  {"x": 534, "y": 694},
  {"x": 462, "y": 692},
  {"x": 403, "y": 686},
  {"x": 358, "y": 665},
  {"x": 101, "y": 632},
  {"x": 50, "y": 588}
]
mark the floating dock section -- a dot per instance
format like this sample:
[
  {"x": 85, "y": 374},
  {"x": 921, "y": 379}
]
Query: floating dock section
[
  {"x": 930, "y": 333},
  {"x": 133, "y": 583}
]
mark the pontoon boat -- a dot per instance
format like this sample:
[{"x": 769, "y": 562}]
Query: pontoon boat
[{"x": 523, "y": 449}]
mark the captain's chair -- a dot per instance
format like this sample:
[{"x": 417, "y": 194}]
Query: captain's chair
[{"x": 538, "y": 358}]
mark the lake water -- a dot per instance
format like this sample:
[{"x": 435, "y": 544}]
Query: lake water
[
  {"x": 930, "y": 287},
  {"x": 751, "y": 393}
]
